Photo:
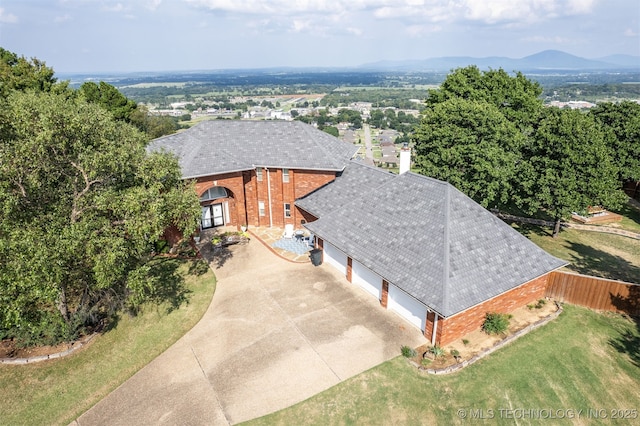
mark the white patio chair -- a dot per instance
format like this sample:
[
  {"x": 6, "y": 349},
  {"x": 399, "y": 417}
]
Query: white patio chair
[{"x": 288, "y": 231}]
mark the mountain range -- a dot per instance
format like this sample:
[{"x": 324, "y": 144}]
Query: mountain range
[{"x": 546, "y": 61}]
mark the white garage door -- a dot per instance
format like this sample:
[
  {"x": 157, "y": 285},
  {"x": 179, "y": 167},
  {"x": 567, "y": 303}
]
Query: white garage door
[
  {"x": 335, "y": 257},
  {"x": 407, "y": 307},
  {"x": 362, "y": 276}
]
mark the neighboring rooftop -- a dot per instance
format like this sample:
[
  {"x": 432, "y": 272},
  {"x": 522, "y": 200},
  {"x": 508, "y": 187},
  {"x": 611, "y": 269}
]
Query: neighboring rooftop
[
  {"x": 222, "y": 146},
  {"x": 429, "y": 239}
]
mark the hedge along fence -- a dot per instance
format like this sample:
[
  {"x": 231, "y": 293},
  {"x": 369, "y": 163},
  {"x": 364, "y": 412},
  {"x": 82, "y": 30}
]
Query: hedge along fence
[{"x": 594, "y": 293}]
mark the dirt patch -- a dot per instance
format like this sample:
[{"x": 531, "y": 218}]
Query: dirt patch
[
  {"x": 478, "y": 341},
  {"x": 9, "y": 350}
]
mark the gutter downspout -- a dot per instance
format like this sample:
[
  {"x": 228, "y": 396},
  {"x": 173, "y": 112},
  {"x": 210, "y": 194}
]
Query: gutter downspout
[
  {"x": 269, "y": 196},
  {"x": 435, "y": 328}
]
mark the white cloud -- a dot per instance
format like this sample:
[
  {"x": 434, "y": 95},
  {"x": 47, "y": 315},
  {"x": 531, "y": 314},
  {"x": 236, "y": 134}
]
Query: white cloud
[
  {"x": 62, "y": 18},
  {"x": 7, "y": 18},
  {"x": 153, "y": 4},
  {"x": 117, "y": 7},
  {"x": 525, "y": 11},
  {"x": 630, "y": 32}
]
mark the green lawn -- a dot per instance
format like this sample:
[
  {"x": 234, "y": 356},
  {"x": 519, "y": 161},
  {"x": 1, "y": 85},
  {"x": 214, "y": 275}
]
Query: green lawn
[
  {"x": 591, "y": 253},
  {"x": 583, "y": 360},
  {"x": 57, "y": 392},
  {"x": 630, "y": 218}
]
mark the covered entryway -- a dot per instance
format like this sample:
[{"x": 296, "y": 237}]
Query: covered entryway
[
  {"x": 215, "y": 211},
  {"x": 335, "y": 257},
  {"x": 407, "y": 307},
  {"x": 365, "y": 278},
  {"x": 212, "y": 216}
]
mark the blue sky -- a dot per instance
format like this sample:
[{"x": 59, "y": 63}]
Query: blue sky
[{"x": 169, "y": 35}]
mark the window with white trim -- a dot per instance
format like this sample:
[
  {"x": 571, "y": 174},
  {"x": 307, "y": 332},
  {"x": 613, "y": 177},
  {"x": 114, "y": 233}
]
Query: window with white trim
[
  {"x": 261, "y": 208},
  {"x": 259, "y": 173},
  {"x": 285, "y": 175},
  {"x": 287, "y": 210}
]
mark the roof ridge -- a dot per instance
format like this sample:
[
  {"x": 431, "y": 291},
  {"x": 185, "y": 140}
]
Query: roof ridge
[
  {"x": 446, "y": 248},
  {"x": 314, "y": 136}
]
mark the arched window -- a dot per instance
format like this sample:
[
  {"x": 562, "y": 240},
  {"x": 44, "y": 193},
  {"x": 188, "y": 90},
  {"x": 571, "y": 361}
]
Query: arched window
[{"x": 214, "y": 193}]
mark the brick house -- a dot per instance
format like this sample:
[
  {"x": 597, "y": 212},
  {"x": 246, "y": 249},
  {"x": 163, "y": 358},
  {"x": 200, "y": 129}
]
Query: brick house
[
  {"x": 421, "y": 247},
  {"x": 251, "y": 172}
]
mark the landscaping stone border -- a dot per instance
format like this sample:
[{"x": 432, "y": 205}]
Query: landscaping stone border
[
  {"x": 74, "y": 347},
  {"x": 459, "y": 366}
]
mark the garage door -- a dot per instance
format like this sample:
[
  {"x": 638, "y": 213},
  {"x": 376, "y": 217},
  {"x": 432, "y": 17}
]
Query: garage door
[
  {"x": 335, "y": 257},
  {"x": 407, "y": 307},
  {"x": 362, "y": 276}
]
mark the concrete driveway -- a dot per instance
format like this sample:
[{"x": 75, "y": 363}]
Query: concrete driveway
[{"x": 276, "y": 333}]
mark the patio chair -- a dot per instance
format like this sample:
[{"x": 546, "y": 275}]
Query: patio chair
[
  {"x": 310, "y": 240},
  {"x": 288, "y": 231}
]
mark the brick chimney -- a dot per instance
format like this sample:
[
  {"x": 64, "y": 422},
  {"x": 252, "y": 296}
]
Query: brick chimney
[{"x": 405, "y": 158}]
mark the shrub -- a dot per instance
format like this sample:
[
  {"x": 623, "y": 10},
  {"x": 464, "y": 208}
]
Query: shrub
[
  {"x": 408, "y": 352},
  {"x": 495, "y": 323},
  {"x": 465, "y": 342},
  {"x": 436, "y": 351}
]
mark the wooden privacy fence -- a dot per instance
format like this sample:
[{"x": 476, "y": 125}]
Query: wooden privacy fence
[{"x": 594, "y": 293}]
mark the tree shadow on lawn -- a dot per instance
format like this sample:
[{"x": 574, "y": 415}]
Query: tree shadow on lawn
[
  {"x": 629, "y": 342},
  {"x": 527, "y": 230},
  {"x": 592, "y": 261},
  {"x": 169, "y": 283}
]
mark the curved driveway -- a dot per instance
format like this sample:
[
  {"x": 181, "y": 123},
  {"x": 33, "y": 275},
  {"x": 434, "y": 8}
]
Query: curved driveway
[{"x": 276, "y": 333}]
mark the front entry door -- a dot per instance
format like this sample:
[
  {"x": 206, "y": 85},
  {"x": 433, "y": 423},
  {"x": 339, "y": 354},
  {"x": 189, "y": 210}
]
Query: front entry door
[
  {"x": 212, "y": 216},
  {"x": 216, "y": 212}
]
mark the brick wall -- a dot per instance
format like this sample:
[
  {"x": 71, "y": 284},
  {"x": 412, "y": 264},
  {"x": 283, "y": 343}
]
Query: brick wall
[
  {"x": 384, "y": 297},
  {"x": 455, "y": 327},
  {"x": 246, "y": 192},
  {"x": 234, "y": 183}
]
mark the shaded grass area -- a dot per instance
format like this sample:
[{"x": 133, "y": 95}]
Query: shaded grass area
[
  {"x": 630, "y": 218},
  {"x": 58, "y": 391},
  {"x": 591, "y": 253},
  {"x": 573, "y": 362}
]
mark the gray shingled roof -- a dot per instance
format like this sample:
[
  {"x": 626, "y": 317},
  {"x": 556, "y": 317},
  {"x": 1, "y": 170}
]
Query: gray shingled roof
[
  {"x": 430, "y": 240},
  {"x": 221, "y": 146},
  {"x": 351, "y": 183}
]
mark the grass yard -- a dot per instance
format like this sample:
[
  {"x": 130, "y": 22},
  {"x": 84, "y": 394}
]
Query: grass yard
[
  {"x": 630, "y": 218},
  {"x": 583, "y": 360},
  {"x": 591, "y": 253},
  {"x": 58, "y": 391}
]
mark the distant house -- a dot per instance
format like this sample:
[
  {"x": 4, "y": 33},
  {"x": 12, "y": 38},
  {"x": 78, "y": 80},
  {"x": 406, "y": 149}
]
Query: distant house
[{"x": 421, "y": 247}]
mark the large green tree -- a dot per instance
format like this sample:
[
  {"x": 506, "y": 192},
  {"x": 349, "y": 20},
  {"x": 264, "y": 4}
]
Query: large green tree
[
  {"x": 470, "y": 144},
  {"x": 82, "y": 205},
  {"x": 110, "y": 98},
  {"x": 567, "y": 166},
  {"x": 19, "y": 73},
  {"x": 516, "y": 97},
  {"x": 622, "y": 122}
]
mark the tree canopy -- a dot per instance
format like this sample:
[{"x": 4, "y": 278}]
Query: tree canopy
[
  {"x": 567, "y": 167},
  {"x": 488, "y": 134},
  {"x": 83, "y": 206},
  {"x": 471, "y": 145},
  {"x": 622, "y": 121},
  {"x": 18, "y": 73}
]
